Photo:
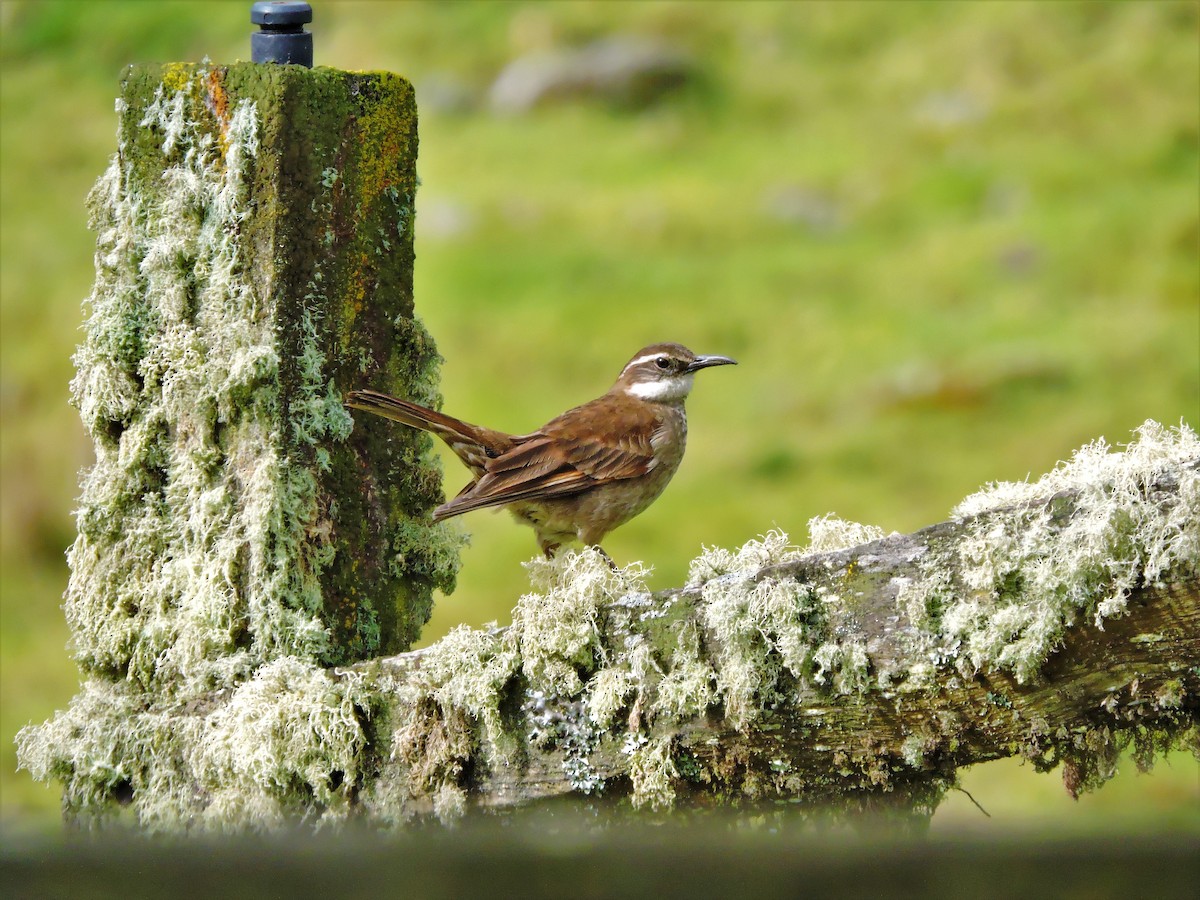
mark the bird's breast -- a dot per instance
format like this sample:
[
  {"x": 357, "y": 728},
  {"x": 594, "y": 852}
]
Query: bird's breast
[{"x": 669, "y": 440}]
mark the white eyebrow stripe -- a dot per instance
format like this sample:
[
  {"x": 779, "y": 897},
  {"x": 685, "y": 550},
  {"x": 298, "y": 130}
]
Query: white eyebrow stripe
[{"x": 639, "y": 360}]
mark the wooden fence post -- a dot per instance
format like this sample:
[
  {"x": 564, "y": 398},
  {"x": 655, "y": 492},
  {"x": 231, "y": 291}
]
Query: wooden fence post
[{"x": 254, "y": 261}]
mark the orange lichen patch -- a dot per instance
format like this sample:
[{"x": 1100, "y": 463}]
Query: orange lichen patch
[{"x": 217, "y": 101}]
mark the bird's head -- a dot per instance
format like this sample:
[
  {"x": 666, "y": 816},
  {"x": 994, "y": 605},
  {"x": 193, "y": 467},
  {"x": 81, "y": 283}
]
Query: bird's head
[{"x": 664, "y": 372}]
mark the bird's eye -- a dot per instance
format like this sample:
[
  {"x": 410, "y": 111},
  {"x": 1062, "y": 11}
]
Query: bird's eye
[{"x": 662, "y": 362}]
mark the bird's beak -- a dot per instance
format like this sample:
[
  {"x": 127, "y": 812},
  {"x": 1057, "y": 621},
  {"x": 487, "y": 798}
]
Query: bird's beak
[{"x": 703, "y": 362}]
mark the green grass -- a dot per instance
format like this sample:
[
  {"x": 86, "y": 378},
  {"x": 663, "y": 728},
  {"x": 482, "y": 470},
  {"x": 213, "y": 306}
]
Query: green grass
[{"x": 998, "y": 291}]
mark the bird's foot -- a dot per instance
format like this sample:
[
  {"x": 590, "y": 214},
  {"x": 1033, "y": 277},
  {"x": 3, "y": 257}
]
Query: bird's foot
[{"x": 608, "y": 559}]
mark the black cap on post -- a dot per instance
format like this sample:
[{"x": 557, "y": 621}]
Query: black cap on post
[{"x": 281, "y": 37}]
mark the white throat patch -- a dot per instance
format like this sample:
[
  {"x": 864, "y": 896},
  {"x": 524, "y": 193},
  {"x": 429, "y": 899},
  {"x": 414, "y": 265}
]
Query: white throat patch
[{"x": 664, "y": 390}]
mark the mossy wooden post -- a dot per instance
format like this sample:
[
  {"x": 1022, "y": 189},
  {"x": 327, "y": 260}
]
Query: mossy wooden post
[{"x": 254, "y": 261}]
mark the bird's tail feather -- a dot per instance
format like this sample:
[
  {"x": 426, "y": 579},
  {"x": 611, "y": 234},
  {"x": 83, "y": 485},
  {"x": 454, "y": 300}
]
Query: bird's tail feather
[
  {"x": 472, "y": 443},
  {"x": 409, "y": 413}
]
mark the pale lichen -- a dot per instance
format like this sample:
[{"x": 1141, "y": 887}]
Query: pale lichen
[
  {"x": 828, "y": 533},
  {"x": 466, "y": 678},
  {"x": 760, "y": 636},
  {"x": 292, "y": 731},
  {"x": 286, "y": 742},
  {"x": 1041, "y": 555},
  {"x": 771, "y": 631},
  {"x": 771, "y": 549},
  {"x": 762, "y": 630},
  {"x": 842, "y": 665},
  {"x": 186, "y": 545},
  {"x": 556, "y": 623},
  {"x": 596, "y": 668},
  {"x": 609, "y": 691},
  {"x": 689, "y": 686},
  {"x": 471, "y": 669},
  {"x": 653, "y": 773},
  {"x": 565, "y": 726}
]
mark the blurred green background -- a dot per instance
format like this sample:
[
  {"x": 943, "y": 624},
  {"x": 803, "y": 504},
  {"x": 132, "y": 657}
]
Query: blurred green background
[{"x": 948, "y": 242}]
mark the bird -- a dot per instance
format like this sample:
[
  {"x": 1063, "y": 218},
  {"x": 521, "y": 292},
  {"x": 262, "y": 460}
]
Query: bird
[{"x": 582, "y": 474}]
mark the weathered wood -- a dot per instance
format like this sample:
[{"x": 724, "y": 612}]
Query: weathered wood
[
  {"x": 1056, "y": 620},
  {"x": 1134, "y": 678}
]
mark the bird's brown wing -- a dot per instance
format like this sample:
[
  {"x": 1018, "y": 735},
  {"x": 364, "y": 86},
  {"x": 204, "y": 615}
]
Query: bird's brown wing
[{"x": 602, "y": 441}]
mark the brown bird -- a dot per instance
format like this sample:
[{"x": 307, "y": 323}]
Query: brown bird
[{"x": 584, "y": 473}]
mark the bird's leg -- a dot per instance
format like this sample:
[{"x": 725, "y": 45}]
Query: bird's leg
[
  {"x": 608, "y": 559},
  {"x": 549, "y": 548}
]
